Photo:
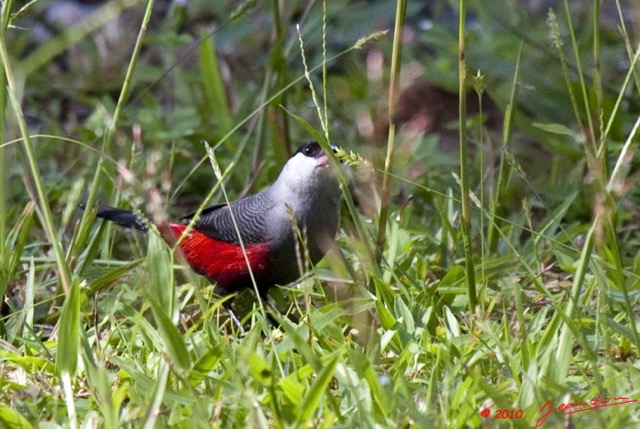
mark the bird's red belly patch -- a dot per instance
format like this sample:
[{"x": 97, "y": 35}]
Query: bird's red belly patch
[{"x": 223, "y": 262}]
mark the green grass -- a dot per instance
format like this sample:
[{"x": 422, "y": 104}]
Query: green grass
[{"x": 503, "y": 276}]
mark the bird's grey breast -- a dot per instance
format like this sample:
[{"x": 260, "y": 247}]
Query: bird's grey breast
[{"x": 316, "y": 216}]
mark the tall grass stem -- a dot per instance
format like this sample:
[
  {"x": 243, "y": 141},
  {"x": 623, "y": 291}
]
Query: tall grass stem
[
  {"x": 394, "y": 95},
  {"x": 465, "y": 220}
]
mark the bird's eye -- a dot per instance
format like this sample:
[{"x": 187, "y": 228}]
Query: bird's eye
[{"x": 311, "y": 150}]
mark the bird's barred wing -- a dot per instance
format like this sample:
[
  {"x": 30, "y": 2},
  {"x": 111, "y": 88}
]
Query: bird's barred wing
[
  {"x": 205, "y": 211},
  {"x": 249, "y": 214}
]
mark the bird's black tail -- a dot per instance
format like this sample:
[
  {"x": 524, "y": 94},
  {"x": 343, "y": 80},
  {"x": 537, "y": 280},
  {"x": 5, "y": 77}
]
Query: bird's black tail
[{"x": 121, "y": 217}]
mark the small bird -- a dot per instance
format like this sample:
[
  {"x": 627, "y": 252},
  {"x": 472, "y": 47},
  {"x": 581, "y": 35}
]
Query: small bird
[{"x": 306, "y": 189}]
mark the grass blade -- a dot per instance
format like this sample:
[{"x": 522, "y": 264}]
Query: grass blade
[
  {"x": 69, "y": 331},
  {"x": 312, "y": 400}
]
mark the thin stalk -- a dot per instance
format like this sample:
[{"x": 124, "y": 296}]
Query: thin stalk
[
  {"x": 324, "y": 69},
  {"x": 557, "y": 41},
  {"x": 282, "y": 75},
  {"x": 111, "y": 130},
  {"x": 464, "y": 168},
  {"x": 504, "y": 171},
  {"x": 43, "y": 203},
  {"x": 597, "y": 78},
  {"x": 479, "y": 86},
  {"x": 583, "y": 86},
  {"x": 616, "y": 181},
  {"x": 323, "y": 119},
  {"x": 394, "y": 90},
  {"x": 635, "y": 58},
  {"x": 627, "y": 41},
  {"x": 4, "y": 24}
]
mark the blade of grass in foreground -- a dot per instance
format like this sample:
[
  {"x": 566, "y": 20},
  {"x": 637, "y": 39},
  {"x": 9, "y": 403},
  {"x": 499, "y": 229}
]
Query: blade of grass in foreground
[
  {"x": 68, "y": 346},
  {"x": 563, "y": 354},
  {"x": 318, "y": 389},
  {"x": 161, "y": 294}
]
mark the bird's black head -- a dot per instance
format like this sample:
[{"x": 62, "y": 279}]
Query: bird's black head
[
  {"x": 309, "y": 149},
  {"x": 312, "y": 149},
  {"x": 307, "y": 165}
]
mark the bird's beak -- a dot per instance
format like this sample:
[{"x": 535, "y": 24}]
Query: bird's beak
[{"x": 323, "y": 161}]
